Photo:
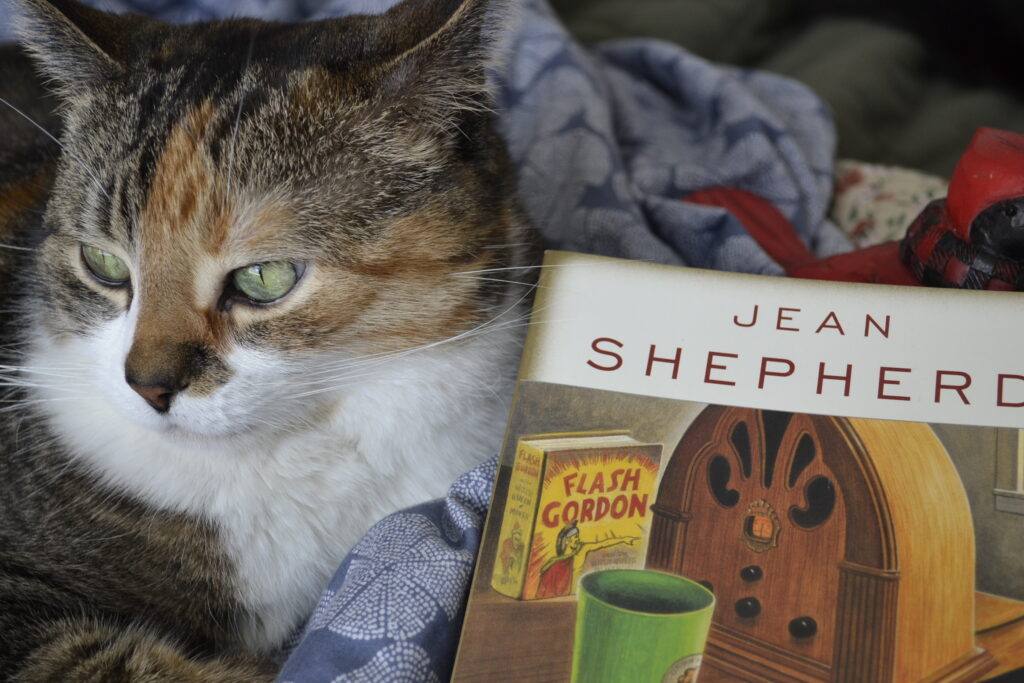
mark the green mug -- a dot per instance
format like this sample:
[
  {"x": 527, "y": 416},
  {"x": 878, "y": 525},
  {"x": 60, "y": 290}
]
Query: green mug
[{"x": 639, "y": 626}]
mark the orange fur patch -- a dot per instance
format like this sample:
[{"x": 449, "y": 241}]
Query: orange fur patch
[{"x": 185, "y": 220}]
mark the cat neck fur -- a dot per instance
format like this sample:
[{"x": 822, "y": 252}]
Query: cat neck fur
[{"x": 287, "y": 506}]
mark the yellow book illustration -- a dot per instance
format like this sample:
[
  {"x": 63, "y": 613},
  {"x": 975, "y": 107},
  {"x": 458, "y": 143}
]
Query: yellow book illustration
[{"x": 575, "y": 502}]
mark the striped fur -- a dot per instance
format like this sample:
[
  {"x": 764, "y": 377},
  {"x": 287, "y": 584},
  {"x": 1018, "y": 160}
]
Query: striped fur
[{"x": 188, "y": 543}]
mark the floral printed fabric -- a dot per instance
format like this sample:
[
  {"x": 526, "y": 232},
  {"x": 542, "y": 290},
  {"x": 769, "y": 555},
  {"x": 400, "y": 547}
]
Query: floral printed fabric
[{"x": 875, "y": 204}]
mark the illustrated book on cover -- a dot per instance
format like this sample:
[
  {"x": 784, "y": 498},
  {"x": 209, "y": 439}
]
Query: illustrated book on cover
[{"x": 732, "y": 477}]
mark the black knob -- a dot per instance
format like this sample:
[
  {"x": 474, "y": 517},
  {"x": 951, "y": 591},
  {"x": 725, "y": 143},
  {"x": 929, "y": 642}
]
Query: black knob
[
  {"x": 751, "y": 573},
  {"x": 708, "y": 585},
  {"x": 803, "y": 627},
  {"x": 748, "y": 607}
]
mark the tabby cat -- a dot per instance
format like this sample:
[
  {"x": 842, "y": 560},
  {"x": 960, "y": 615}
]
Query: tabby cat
[{"x": 248, "y": 310}]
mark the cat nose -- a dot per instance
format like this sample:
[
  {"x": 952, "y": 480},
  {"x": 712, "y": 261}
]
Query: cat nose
[
  {"x": 156, "y": 395},
  {"x": 158, "y": 369}
]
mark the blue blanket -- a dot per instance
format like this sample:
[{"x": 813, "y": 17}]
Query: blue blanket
[{"x": 605, "y": 142}]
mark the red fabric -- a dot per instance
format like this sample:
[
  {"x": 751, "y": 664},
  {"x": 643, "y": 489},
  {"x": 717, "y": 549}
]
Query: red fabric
[
  {"x": 777, "y": 236},
  {"x": 990, "y": 170},
  {"x": 879, "y": 264},
  {"x": 557, "y": 580},
  {"x": 763, "y": 221}
]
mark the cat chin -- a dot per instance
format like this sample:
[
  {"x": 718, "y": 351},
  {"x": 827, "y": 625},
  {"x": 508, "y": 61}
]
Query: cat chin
[
  {"x": 189, "y": 437},
  {"x": 209, "y": 437}
]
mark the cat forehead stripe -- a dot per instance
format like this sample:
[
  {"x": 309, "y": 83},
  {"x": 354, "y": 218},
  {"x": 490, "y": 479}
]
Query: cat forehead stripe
[
  {"x": 187, "y": 195},
  {"x": 183, "y": 219}
]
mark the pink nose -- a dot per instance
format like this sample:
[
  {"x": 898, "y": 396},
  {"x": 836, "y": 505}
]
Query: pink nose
[{"x": 156, "y": 395}]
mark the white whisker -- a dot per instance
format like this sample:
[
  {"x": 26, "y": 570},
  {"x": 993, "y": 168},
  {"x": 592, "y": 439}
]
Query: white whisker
[
  {"x": 340, "y": 379},
  {"x": 71, "y": 154},
  {"x": 507, "y": 282},
  {"x": 21, "y": 404}
]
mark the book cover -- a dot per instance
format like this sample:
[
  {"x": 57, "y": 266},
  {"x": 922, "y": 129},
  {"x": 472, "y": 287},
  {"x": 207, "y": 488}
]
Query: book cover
[
  {"x": 839, "y": 497},
  {"x": 575, "y": 502}
]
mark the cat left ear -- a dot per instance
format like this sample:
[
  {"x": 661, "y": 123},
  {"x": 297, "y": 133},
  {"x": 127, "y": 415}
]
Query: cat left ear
[
  {"x": 448, "y": 44},
  {"x": 74, "y": 43}
]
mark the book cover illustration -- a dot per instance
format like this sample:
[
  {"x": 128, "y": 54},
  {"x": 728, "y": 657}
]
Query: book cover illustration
[
  {"x": 852, "y": 503},
  {"x": 575, "y": 502}
]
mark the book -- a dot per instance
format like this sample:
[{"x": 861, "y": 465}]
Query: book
[
  {"x": 575, "y": 502},
  {"x": 839, "y": 495}
]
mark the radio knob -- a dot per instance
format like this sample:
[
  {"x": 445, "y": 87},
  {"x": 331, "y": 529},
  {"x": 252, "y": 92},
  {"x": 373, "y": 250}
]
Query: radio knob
[
  {"x": 803, "y": 627},
  {"x": 751, "y": 573},
  {"x": 708, "y": 585},
  {"x": 748, "y": 607}
]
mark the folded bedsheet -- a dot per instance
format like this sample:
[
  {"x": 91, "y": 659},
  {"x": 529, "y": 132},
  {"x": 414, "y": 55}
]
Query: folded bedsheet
[{"x": 607, "y": 142}]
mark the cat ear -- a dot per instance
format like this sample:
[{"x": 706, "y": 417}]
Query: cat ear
[
  {"x": 446, "y": 46},
  {"x": 75, "y": 44}
]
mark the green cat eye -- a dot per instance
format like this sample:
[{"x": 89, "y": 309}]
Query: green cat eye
[
  {"x": 105, "y": 266},
  {"x": 266, "y": 282}
]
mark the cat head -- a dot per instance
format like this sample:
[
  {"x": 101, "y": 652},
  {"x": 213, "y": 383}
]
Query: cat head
[{"x": 242, "y": 206}]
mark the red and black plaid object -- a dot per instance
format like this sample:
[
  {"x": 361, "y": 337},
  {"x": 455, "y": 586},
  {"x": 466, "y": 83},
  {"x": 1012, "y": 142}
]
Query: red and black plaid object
[{"x": 938, "y": 257}]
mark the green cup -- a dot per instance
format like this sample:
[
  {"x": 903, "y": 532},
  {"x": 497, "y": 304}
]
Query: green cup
[{"x": 638, "y": 626}]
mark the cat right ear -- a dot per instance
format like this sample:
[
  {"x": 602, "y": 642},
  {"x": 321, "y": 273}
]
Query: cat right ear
[
  {"x": 438, "y": 53},
  {"x": 75, "y": 44}
]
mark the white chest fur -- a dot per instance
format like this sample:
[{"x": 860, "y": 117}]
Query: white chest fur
[{"x": 288, "y": 507}]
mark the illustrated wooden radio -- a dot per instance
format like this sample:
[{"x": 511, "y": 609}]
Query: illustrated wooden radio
[{"x": 838, "y": 549}]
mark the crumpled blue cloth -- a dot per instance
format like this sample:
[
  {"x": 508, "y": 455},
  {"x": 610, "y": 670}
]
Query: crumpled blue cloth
[
  {"x": 393, "y": 610},
  {"x": 606, "y": 142}
]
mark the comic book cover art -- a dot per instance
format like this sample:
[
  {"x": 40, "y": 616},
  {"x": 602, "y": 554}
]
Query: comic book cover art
[{"x": 576, "y": 501}]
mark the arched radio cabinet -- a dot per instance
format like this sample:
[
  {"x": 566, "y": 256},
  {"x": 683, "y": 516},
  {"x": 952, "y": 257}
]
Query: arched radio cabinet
[{"x": 839, "y": 549}]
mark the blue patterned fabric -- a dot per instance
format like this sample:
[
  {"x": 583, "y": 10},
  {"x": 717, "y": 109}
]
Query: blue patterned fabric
[
  {"x": 393, "y": 610},
  {"x": 605, "y": 143}
]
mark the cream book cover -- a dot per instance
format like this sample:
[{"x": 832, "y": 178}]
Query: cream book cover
[{"x": 839, "y": 494}]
